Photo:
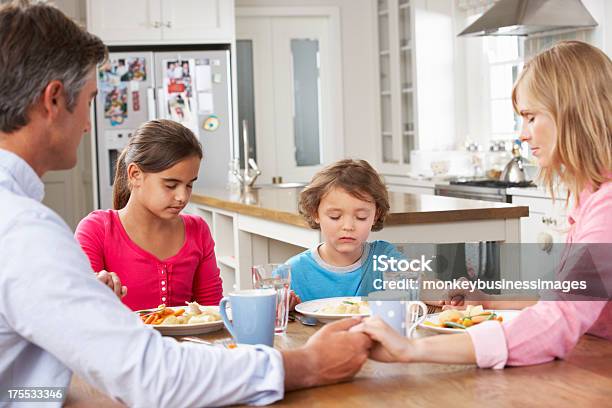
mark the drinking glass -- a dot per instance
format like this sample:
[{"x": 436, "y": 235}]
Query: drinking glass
[{"x": 278, "y": 277}]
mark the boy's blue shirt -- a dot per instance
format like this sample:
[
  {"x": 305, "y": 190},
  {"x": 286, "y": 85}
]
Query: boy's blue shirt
[{"x": 311, "y": 280}]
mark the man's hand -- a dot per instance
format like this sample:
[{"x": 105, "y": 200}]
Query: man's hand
[
  {"x": 389, "y": 346},
  {"x": 331, "y": 355},
  {"x": 111, "y": 280}
]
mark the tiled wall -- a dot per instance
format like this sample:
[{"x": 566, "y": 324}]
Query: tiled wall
[{"x": 534, "y": 45}]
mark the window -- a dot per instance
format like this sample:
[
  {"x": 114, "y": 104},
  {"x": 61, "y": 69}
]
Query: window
[{"x": 505, "y": 58}]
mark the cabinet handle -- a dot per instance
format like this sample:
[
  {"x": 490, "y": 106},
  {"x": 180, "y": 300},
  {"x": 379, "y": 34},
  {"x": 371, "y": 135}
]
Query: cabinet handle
[
  {"x": 157, "y": 24},
  {"x": 168, "y": 24}
]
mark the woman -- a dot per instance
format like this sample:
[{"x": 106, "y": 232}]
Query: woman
[{"x": 565, "y": 98}]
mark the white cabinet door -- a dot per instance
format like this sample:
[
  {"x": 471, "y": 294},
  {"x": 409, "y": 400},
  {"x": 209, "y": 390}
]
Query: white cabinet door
[
  {"x": 542, "y": 236},
  {"x": 198, "y": 20},
  {"x": 129, "y": 22},
  {"x": 297, "y": 95}
]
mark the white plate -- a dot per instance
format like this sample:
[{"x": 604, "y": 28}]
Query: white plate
[
  {"x": 312, "y": 307},
  {"x": 189, "y": 329},
  {"x": 433, "y": 318}
]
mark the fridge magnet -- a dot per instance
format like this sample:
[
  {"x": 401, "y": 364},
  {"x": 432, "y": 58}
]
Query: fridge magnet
[
  {"x": 179, "y": 109},
  {"x": 211, "y": 123},
  {"x": 123, "y": 70},
  {"x": 205, "y": 102},
  {"x": 107, "y": 74},
  {"x": 203, "y": 78},
  {"x": 136, "y": 69},
  {"x": 135, "y": 101},
  {"x": 115, "y": 104},
  {"x": 178, "y": 77}
]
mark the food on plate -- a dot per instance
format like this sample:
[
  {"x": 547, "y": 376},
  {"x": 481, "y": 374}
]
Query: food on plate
[
  {"x": 347, "y": 307},
  {"x": 462, "y": 319},
  {"x": 193, "y": 314}
]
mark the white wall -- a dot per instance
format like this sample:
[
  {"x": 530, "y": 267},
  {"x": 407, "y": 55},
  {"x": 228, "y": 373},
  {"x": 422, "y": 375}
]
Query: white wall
[{"x": 359, "y": 61}]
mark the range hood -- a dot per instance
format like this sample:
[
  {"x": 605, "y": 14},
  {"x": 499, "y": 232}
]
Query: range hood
[{"x": 527, "y": 17}]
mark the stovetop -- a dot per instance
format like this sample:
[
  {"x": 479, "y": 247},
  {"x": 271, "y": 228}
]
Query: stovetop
[{"x": 492, "y": 183}]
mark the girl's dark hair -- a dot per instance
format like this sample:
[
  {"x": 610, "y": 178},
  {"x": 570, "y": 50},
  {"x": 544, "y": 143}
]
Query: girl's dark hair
[
  {"x": 357, "y": 178},
  {"x": 156, "y": 146}
]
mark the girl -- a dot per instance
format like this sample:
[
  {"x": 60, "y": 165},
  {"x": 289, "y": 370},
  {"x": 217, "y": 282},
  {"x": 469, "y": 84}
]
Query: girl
[
  {"x": 162, "y": 256},
  {"x": 565, "y": 98},
  {"x": 346, "y": 200}
]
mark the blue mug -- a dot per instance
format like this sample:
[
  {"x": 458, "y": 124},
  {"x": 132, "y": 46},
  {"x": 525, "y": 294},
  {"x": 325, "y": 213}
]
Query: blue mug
[
  {"x": 397, "y": 310},
  {"x": 253, "y": 315}
]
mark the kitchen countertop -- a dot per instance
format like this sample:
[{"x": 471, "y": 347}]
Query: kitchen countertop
[
  {"x": 281, "y": 205},
  {"x": 537, "y": 192}
]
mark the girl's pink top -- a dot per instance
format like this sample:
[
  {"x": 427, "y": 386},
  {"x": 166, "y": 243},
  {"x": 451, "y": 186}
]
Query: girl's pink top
[
  {"x": 551, "y": 329},
  {"x": 191, "y": 274}
]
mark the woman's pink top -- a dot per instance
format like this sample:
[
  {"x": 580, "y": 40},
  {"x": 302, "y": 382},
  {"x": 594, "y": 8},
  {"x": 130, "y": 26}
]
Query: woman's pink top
[
  {"x": 191, "y": 274},
  {"x": 551, "y": 329}
]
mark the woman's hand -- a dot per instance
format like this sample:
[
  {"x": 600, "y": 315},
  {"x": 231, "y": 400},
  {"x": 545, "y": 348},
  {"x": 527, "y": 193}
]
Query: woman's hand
[
  {"x": 111, "y": 280},
  {"x": 389, "y": 346},
  {"x": 294, "y": 300}
]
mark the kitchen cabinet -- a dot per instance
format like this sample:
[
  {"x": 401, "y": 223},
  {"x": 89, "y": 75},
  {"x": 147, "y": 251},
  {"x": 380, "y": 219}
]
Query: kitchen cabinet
[
  {"x": 542, "y": 235},
  {"x": 415, "y": 84},
  {"x": 119, "y": 22},
  {"x": 544, "y": 217}
]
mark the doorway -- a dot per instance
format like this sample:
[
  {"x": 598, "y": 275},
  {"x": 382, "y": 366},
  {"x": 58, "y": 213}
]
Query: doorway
[{"x": 289, "y": 89}]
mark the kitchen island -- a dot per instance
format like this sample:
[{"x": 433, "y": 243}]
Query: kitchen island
[{"x": 265, "y": 226}]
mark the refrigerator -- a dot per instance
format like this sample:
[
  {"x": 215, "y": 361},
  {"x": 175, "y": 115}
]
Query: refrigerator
[{"x": 190, "y": 85}]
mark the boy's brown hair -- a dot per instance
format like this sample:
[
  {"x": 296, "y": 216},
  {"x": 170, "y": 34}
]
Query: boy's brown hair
[{"x": 357, "y": 178}]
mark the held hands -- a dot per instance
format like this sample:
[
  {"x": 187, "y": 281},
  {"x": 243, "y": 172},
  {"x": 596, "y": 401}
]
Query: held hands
[
  {"x": 111, "y": 280},
  {"x": 331, "y": 355},
  {"x": 389, "y": 346}
]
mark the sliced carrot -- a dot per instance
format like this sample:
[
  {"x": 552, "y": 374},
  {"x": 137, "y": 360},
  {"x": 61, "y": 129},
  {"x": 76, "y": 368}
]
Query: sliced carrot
[
  {"x": 151, "y": 318},
  {"x": 179, "y": 312}
]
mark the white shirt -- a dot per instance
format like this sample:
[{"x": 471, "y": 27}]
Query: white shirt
[{"x": 56, "y": 318}]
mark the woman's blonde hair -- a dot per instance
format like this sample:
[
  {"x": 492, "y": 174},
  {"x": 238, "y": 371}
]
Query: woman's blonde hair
[{"x": 572, "y": 81}]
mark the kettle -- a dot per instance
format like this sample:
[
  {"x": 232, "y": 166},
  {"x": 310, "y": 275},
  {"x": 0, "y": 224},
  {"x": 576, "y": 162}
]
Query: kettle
[{"x": 514, "y": 172}]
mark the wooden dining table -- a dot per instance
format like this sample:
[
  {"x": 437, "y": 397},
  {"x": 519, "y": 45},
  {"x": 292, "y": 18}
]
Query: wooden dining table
[{"x": 582, "y": 379}]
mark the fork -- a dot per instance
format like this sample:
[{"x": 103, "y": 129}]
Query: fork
[
  {"x": 196, "y": 340},
  {"x": 227, "y": 343}
]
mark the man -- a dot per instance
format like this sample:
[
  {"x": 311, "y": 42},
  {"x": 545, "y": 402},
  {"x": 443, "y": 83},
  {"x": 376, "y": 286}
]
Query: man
[{"x": 55, "y": 317}]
